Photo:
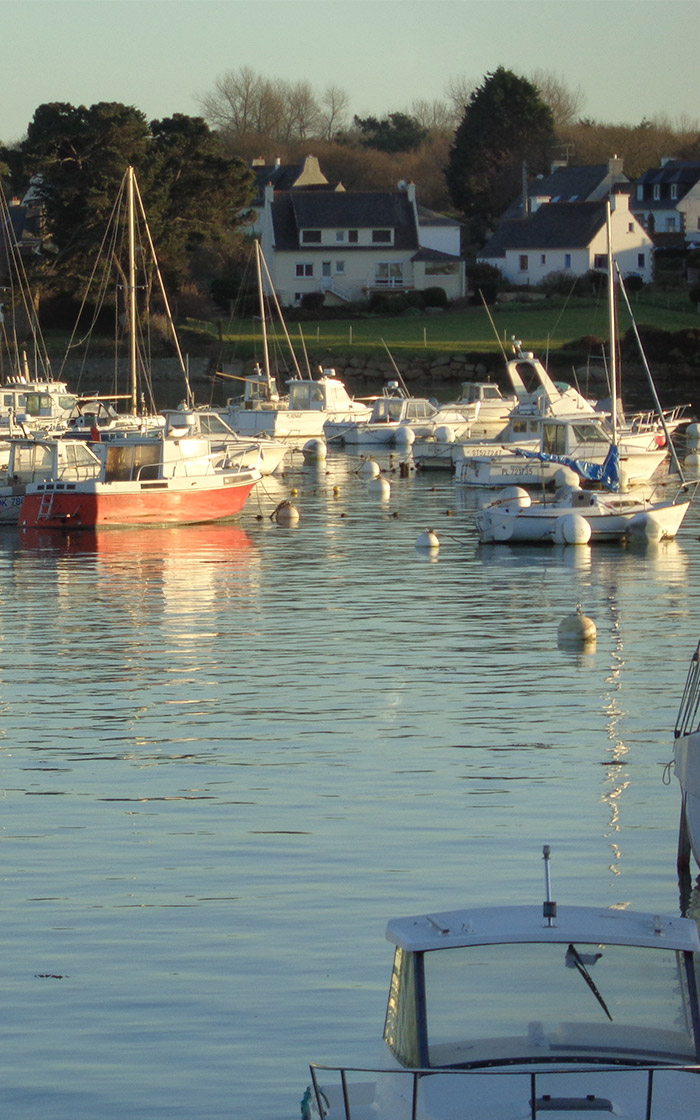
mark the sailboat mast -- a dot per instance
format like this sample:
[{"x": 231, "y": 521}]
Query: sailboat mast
[
  {"x": 263, "y": 317},
  {"x": 132, "y": 295},
  {"x": 612, "y": 319}
]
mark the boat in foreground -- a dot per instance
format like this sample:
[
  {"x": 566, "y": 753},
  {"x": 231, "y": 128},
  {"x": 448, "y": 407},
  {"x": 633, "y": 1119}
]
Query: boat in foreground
[
  {"x": 686, "y": 758},
  {"x": 508, "y": 1012},
  {"x": 577, "y": 516},
  {"x": 163, "y": 478}
]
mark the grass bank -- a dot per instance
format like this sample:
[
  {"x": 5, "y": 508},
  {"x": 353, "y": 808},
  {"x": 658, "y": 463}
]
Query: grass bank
[{"x": 544, "y": 327}]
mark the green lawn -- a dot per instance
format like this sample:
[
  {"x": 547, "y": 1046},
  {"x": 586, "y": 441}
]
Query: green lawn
[{"x": 541, "y": 327}]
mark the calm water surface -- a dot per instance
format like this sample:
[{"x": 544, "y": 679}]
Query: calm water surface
[{"x": 229, "y": 754}]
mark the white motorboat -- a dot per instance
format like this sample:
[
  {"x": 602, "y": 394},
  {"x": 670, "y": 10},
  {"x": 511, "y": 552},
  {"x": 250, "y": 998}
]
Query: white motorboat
[
  {"x": 396, "y": 419},
  {"x": 508, "y": 1012},
  {"x": 310, "y": 403},
  {"x": 577, "y": 516},
  {"x": 686, "y": 758}
]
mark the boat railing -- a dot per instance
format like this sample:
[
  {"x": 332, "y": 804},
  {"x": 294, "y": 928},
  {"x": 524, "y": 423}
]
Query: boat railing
[
  {"x": 687, "y": 721},
  {"x": 316, "y": 1102}
]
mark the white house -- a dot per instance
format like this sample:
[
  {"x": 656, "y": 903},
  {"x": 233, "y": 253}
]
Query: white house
[
  {"x": 569, "y": 237},
  {"x": 666, "y": 200},
  {"x": 349, "y": 244}
]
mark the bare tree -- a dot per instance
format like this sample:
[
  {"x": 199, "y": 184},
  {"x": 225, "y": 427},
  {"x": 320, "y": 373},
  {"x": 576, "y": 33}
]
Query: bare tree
[
  {"x": 564, "y": 102},
  {"x": 302, "y": 118},
  {"x": 438, "y": 118},
  {"x": 334, "y": 104},
  {"x": 458, "y": 91}
]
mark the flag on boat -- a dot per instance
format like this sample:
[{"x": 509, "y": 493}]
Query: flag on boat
[{"x": 607, "y": 472}]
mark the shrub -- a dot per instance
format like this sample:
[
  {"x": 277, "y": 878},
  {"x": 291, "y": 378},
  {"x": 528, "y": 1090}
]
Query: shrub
[
  {"x": 312, "y": 301},
  {"x": 435, "y": 297},
  {"x": 484, "y": 280},
  {"x": 634, "y": 283},
  {"x": 694, "y": 294}
]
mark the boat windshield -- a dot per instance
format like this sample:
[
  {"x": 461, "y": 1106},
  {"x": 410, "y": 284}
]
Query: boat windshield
[{"x": 544, "y": 1002}]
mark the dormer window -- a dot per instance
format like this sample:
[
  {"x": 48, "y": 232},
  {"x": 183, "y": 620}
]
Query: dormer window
[
  {"x": 657, "y": 191},
  {"x": 640, "y": 192},
  {"x": 311, "y": 236},
  {"x": 381, "y": 236},
  {"x": 674, "y": 190},
  {"x": 353, "y": 236},
  {"x": 340, "y": 235}
]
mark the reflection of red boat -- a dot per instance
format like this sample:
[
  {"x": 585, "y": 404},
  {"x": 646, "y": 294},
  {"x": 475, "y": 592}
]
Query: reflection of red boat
[{"x": 169, "y": 541}]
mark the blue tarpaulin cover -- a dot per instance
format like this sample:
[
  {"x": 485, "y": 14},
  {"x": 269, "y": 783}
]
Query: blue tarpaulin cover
[{"x": 608, "y": 472}]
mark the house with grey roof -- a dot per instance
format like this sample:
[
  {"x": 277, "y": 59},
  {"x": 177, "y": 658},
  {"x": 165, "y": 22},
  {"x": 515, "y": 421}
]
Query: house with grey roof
[
  {"x": 587, "y": 183},
  {"x": 349, "y": 244},
  {"x": 569, "y": 238},
  {"x": 666, "y": 200}
]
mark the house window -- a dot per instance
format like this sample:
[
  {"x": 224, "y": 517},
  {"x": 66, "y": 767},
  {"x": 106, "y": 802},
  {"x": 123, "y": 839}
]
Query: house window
[
  {"x": 640, "y": 260},
  {"x": 304, "y": 270},
  {"x": 600, "y": 261},
  {"x": 340, "y": 266},
  {"x": 340, "y": 235},
  {"x": 543, "y": 258},
  {"x": 311, "y": 236},
  {"x": 674, "y": 190},
  {"x": 352, "y": 236},
  {"x": 567, "y": 260},
  {"x": 523, "y": 263},
  {"x": 640, "y": 192},
  {"x": 388, "y": 275},
  {"x": 325, "y": 268},
  {"x": 630, "y": 227},
  {"x": 381, "y": 236},
  {"x": 670, "y": 225},
  {"x": 441, "y": 268},
  {"x": 657, "y": 191}
]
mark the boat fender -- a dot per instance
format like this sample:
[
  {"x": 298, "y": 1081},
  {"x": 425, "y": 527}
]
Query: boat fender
[
  {"x": 692, "y": 434},
  {"x": 444, "y": 434},
  {"x": 577, "y": 628},
  {"x": 405, "y": 436},
  {"x": 692, "y": 461},
  {"x": 565, "y": 476},
  {"x": 572, "y": 528},
  {"x": 645, "y": 527},
  {"x": 660, "y": 440},
  {"x": 516, "y": 497}
]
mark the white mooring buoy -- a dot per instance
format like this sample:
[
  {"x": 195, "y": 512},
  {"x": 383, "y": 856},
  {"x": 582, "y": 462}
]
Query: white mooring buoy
[
  {"x": 368, "y": 468},
  {"x": 577, "y": 628},
  {"x": 315, "y": 451},
  {"x": 428, "y": 540},
  {"x": 286, "y": 515},
  {"x": 379, "y": 487}
]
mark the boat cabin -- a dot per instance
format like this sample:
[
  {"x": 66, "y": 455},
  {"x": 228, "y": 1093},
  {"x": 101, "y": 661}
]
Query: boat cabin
[
  {"x": 400, "y": 410},
  {"x": 474, "y": 392},
  {"x": 499, "y": 986},
  {"x": 35, "y": 402},
  {"x": 326, "y": 394}
]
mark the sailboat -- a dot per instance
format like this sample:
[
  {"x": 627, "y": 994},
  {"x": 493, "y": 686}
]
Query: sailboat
[
  {"x": 577, "y": 515},
  {"x": 31, "y": 398},
  {"x": 310, "y": 403},
  {"x": 174, "y": 475}
]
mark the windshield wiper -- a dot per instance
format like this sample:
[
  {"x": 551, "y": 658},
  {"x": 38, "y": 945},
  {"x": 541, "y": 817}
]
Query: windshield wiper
[{"x": 574, "y": 956}]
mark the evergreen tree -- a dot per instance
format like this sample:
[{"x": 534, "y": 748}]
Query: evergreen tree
[
  {"x": 398, "y": 132},
  {"x": 505, "y": 124}
]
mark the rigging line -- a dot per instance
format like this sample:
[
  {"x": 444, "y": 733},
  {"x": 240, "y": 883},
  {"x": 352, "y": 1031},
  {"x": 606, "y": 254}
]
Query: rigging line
[
  {"x": 645, "y": 363},
  {"x": 493, "y": 325}
]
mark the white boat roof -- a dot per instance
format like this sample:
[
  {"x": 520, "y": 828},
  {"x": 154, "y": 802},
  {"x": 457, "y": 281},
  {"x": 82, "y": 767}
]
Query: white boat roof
[{"x": 500, "y": 925}]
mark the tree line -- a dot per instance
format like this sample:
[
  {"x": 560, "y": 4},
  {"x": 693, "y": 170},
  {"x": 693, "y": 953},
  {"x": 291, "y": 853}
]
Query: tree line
[{"x": 464, "y": 153}]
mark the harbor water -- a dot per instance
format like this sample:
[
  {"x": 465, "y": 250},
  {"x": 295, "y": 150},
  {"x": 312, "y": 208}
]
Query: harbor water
[{"x": 230, "y": 753}]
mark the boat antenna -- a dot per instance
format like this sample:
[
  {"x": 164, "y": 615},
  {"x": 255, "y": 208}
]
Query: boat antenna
[
  {"x": 397, "y": 371},
  {"x": 549, "y": 907},
  {"x": 612, "y": 319}
]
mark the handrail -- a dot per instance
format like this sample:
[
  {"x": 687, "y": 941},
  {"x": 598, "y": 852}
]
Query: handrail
[{"x": 536, "y": 1104}]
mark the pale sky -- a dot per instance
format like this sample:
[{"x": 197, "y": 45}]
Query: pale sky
[{"x": 631, "y": 58}]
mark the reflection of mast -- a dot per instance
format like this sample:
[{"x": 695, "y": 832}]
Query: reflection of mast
[{"x": 615, "y": 783}]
